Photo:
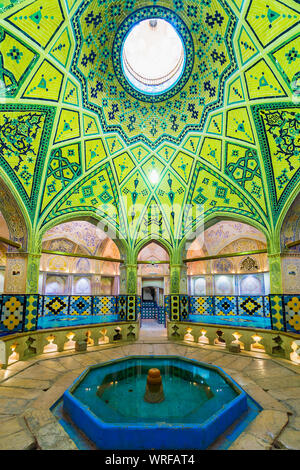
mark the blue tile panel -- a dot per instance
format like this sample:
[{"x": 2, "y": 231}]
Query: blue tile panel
[
  {"x": 104, "y": 305},
  {"x": 292, "y": 312},
  {"x": 12, "y": 313}
]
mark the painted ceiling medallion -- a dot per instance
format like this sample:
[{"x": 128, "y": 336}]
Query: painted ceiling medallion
[
  {"x": 153, "y": 118},
  {"x": 166, "y": 19}
]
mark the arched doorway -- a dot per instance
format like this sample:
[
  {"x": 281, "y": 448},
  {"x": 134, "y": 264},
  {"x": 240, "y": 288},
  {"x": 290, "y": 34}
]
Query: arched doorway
[{"x": 153, "y": 282}]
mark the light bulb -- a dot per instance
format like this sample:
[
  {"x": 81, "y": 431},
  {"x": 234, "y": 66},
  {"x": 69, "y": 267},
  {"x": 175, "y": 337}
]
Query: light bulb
[{"x": 154, "y": 177}]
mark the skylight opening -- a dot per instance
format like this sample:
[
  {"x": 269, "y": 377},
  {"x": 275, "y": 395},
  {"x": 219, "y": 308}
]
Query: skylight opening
[{"x": 153, "y": 56}]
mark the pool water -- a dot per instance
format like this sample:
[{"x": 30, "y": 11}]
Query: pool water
[
  {"x": 192, "y": 394},
  {"x": 106, "y": 402}
]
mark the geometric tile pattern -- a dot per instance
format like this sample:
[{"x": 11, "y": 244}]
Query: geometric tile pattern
[
  {"x": 225, "y": 305},
  {"x": 161, "y": 315},
  {"x": 12, "y": 313},
  {"x": 104, "y": 305},
  {"x": 167, "y": 306},
  {"x": 184, "y": 307},
  {"x": 31, "y": 312},
  {"x": 201, "y": 305},
  {"x": 56, "y": 305},
  {"x": 175, "y": 307},
  {"x": 277, "y": 316},
  {"x": 149, "y": 310},
  {"x": 131, "y": 308},
  {"x": 122, "y": 307},
  {"x": 266, "y": 300},
  {"x": 80, "y": 305},
  {"x": 251, "y": 305},
  {"x": 292, "y": 312}
]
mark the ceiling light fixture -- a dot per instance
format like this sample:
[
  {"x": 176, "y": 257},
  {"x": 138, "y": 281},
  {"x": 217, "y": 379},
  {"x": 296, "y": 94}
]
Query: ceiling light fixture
[{"x": 154, "y": 176}]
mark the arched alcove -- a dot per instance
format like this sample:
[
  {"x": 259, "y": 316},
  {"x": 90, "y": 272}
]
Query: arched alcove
[
  {"x": 228, "y": 275},
  {"x": 290, "y": 261},
  {"x": 14, "y": 227},
  {"x": 84, "y": 275}
]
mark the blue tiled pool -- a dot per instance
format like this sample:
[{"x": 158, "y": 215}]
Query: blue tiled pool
[{"x": 201, "y": 402}]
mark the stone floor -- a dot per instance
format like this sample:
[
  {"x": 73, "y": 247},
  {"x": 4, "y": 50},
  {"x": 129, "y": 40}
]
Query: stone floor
[{"x": 29, "y": 388}]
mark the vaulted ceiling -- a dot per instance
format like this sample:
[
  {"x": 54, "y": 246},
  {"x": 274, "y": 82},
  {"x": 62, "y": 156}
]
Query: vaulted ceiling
[{"x": 77, "y": 141}]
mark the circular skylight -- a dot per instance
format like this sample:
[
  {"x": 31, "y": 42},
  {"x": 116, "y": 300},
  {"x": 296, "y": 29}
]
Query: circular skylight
[{"x": 153, "y": 56}]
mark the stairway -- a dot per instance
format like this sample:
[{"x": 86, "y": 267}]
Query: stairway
[{"x": 151, "y": 311}]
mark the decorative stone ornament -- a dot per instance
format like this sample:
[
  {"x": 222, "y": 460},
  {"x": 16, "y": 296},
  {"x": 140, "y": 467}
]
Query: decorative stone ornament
[{"x": 154, "y": 388}]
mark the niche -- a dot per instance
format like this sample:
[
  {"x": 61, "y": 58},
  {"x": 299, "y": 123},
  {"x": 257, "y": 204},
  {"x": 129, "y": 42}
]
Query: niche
[
  {"x": 219, "y": 341},
  {"x": 14, "y": 355},
  {"x": 131, "y": 334},
  {"x": 50, "y": 347},
  {"x": 30, "y": 350},
  {"x": 236, "y": 340},
  {"x": 70, "y": 344},
  {"x": 278, "y": 349},
  {"x": 188, "y": 336},
  {"x": 203, "y": 338},
  {"x": 103, "y": 338},
  {"x": 118, "y": 335},
  {"x": 256, "y": 346},
  {"x": 89, "y": 340}
]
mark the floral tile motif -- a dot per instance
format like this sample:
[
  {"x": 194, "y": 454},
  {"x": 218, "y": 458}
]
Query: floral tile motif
[
  {"x": 277, "y": 317},
  {"x": 292, "y": 312},
  {"x": 31, "y": 312}
]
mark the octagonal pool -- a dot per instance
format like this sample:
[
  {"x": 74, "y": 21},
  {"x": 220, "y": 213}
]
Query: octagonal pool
[{"x": 200, "y": 402}]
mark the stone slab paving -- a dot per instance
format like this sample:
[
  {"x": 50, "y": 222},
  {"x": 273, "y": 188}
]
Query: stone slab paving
[{"x": 29, "y": 388}]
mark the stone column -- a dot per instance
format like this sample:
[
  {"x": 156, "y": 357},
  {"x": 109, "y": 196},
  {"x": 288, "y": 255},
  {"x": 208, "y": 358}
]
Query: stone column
[
  {"x": 178, "y": 279},
  {"x": 123, "y": 279},
  {"x": 275, "y": 273},
  {"x": 128, "y": 279},
  {"x": 131, "y": 278},
  {"x": 175, "y": 278},
  {"x": 33, "y": 271}
]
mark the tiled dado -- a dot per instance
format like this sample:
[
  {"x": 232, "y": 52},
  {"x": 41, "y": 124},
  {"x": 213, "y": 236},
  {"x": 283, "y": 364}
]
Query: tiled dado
[
  {"x": 279, "y": 344},
  {"x": 20, "y": 313},
  {"x": 283, "y": 310},
  {"x": 22, "y": 346}
]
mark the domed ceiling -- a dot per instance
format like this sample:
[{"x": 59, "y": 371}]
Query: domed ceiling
[{"x": 77, "y": 140}]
